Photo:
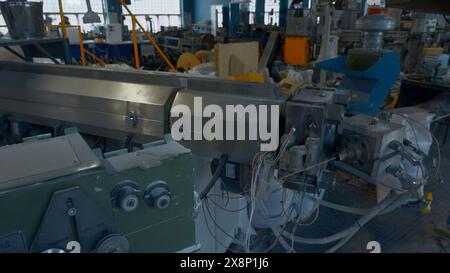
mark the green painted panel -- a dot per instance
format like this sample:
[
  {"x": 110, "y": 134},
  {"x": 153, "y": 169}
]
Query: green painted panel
[{"x": 147, "y": 229}]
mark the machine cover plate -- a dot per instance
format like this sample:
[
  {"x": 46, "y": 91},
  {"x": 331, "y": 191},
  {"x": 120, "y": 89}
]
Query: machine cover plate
[{"x": 36, "y": 161}]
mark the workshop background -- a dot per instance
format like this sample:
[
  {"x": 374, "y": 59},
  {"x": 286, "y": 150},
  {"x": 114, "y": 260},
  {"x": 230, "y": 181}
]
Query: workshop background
[{"x": 90, "y": 91}]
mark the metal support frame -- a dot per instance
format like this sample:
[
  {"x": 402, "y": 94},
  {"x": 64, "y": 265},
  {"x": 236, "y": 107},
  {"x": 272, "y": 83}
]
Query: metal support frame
[
  {"x": 135, "y": 44},
  {"x": 284, "y": 6},
  {"x": 100, "y": 61},
  {"x": 187, "y": 14},
  {"x": 15, "y": 53},
  {"x": 234, "y": 18},
  {"x": 46, "y": 53},
  {"x": 151, "y": 39},
  {"x": 63, "y": 22},
  {"x": 259, "y": 12},
  {"x": 83, "y": 51},
  {"x": 58, "y": 47}
]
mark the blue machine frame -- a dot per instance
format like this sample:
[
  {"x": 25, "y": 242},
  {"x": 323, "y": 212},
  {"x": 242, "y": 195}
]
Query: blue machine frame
[{"x": 370, "y": 87}]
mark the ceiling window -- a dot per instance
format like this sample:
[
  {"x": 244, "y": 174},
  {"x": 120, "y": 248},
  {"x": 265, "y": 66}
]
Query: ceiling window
[
  {"x": 163, "y": 13},
  {"x": 271, "y": 11},
  {"x": 160, "y": 13}
]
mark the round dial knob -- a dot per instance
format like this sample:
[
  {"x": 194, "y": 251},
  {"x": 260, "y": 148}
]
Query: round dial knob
[
  {"x": 157, "y": 195},
  {"x": 124, "y": 196}
]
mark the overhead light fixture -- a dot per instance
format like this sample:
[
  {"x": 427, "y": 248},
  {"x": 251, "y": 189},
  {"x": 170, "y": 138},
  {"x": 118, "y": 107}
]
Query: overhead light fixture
[{"x": 90, "y": 17}]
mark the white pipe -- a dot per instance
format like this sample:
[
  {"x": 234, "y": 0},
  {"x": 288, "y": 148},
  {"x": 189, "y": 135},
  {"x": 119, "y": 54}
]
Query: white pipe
[{"x": 386, "y": 205}]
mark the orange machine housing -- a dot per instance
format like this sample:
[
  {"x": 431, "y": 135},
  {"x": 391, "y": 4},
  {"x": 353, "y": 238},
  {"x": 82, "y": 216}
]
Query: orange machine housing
[{"x": 296, "y": 50}]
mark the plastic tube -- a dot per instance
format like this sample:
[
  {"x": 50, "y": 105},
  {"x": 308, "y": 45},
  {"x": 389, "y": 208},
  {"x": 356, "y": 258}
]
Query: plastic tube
[{"x": 387, "y": 204}]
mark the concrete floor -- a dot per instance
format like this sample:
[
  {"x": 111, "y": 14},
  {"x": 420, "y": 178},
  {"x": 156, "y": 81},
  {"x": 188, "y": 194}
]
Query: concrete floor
[{"x": 403, "y": 230}]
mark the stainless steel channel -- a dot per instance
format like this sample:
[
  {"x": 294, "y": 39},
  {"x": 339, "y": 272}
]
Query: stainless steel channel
[
  {"x": 116, "y": 104},
  {"x": 106, "y": 103}
]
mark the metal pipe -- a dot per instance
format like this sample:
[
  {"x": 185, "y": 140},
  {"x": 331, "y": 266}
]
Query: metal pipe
[
  {"x": 100, "y": 61},
  {"x": 388, "y": 204}
]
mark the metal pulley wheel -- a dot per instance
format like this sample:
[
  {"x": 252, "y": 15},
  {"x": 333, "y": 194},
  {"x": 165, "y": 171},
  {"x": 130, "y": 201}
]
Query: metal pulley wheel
[{"x": 113, "y": 243}]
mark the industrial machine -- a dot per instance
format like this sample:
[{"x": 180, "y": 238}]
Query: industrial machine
[
  {"x": 55, "y": 191},
  {"x": 150, "y": 197},
  {"x": 31, "y": 23},
  {"x": 27, "y": 30},
  {"x": 370, "y": 72},
  {"x": 299, "y": 30}
]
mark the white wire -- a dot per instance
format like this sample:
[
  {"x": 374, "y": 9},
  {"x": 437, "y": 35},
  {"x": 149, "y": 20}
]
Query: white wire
[
  {"x": 441, "y": 117},
  {"x": 438, "y": 147},
  {"x": 284, "y": 143},
  {"x": 257, "y": 162}
]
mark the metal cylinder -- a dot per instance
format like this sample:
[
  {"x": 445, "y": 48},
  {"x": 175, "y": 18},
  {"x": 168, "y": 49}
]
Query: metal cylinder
[
  {"x": 313, "y": 147},
  {"x": 25, "y": 20},
  {"x": 297, "y": 154},
  {"x": 373, "y": 40},
  {"x": 373, "y": 25}
]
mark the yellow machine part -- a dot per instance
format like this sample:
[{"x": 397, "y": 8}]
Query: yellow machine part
[
  {"x": 249, "y": 77},
  {"x": 432, "y": 51},
  {"x": 296, "y": 50},
  {"x": 187, "y": 61}
]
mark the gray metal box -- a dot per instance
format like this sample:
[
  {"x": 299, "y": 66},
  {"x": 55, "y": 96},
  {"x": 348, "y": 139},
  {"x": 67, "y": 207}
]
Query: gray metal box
[{"x": 371, "y": 138}]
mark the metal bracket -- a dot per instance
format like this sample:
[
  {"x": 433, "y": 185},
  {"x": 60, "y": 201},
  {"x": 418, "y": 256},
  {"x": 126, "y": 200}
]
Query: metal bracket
[{"x": 133, "y": 117}]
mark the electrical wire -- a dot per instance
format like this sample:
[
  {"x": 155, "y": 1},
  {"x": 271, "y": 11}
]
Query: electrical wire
[
  {"x": 440, "y": 117},
  {"x": 254, "y": 187},
  {"x": 212, "y": 235},
  {"x": 257, "y": 163},
  {"x": 344, "y": 236},
  {"x": 224, "y": 208},
  {"x": 279, "y": 236},
  {"x": 436, "y": 141},
  {"x": 307, "y": 168},
  {"x": 260, "y": 161},
  {"x": 215, "y": 177},
  {"x": 284, "y": 143},
  {"x": 390, "y": 203},
  {"x": 298, "y": 219},
  {"x": 217, "y": 225},
  {"x": 229, "y": 197},
  {"x": 415, "y": 139}
]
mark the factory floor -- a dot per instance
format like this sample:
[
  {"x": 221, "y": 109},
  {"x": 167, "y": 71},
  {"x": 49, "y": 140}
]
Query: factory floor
[{"x": 404, "y": 230}]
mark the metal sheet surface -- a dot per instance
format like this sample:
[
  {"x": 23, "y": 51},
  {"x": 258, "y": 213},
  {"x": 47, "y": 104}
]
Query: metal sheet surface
[
  {"x": 117, "y": 104},
  {"x": 97, "y": 100},
  {"x": 223, "y": 94},
  {"x": 38, "y": 161}
]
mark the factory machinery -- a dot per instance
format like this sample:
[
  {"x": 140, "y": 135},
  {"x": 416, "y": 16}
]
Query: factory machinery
[{"x": 90, "y": 164}]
